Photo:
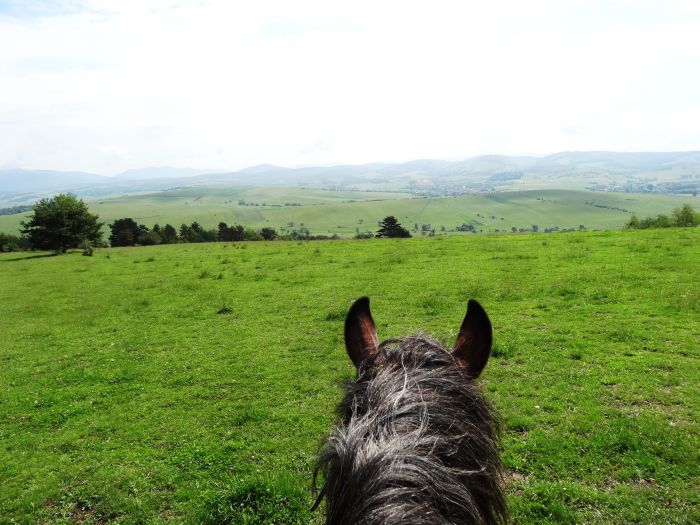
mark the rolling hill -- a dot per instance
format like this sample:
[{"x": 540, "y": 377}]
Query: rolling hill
[
  {"x": 648, "y": 172},
  {"x": 347, "y": 213}
]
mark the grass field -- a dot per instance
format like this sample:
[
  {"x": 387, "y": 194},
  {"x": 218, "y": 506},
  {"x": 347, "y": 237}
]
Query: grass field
[
  {"x": 489, "y": 212},
  {"x": 345, "y": 213},
  {"x": 211, "y": 205},
  {"x": 194, "y": 383}
]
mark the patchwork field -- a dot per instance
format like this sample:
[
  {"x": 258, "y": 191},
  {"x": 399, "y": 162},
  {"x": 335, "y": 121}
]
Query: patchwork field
[
  {"x": 346, "y": 213},
  {"x": 194, "y": 383}
]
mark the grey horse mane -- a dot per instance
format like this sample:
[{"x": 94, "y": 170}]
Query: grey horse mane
[{"x": 417, "y": 443}]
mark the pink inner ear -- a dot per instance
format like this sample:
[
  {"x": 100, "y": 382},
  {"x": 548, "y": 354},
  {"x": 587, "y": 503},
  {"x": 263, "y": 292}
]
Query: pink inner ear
[
  {"x": 471, "y": 353},
  {"x": 360, "y": 332},
  {"x": 369, "y": 335}
]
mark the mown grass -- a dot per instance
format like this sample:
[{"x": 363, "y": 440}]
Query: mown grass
[{"x": 194, "y": 383}]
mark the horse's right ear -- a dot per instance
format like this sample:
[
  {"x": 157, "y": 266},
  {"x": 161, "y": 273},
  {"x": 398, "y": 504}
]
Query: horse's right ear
[
  {"x": 360, "y": 333},
  {"x": 473, "y": 344}
]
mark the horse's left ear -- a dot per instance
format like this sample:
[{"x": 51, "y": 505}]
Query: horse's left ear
[
  {"x": 473, "y": 344},
  {"x": 360, "y": 333}
]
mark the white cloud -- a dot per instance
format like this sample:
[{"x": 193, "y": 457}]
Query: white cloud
[{"x": 105, "y": 86}]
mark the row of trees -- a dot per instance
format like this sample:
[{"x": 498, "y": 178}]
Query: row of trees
[
  {"x": 64, "y": 222},
  {"x": 684, "y": 216},
  {"x": 127, "y": 232}
]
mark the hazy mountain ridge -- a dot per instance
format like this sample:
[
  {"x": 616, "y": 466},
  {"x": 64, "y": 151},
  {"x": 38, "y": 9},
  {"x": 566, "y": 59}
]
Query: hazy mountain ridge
[
  {"x": 662, "y": 172},
  {"x": 160, "y": 172},
  {"x": 21, "y": 180}
]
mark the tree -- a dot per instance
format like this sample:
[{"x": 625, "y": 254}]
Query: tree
[
  {"x": 230, "y": 233},
  {"x": 268, "y": 234},
  {"x": 125, "y": 232},
  {"x": 662, "y": 221},
  {"x": 684, "y": 216},
  {"x": 390, "y": 227},
  {"x": 252, "y": 235},
  {"x": 223, "y": 233},
  {"x": 185, "y": 233},
  {"x": 61, "y": 222},
  {"x": 237, "y": 232},
  {"x": 196, "y": 232},
  {"x": 147, "y": 237},
  {"x": 157, "y": 232},
  {"x": 169, "y": 234}
]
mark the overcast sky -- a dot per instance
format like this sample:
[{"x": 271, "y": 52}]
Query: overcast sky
[{"x": 105, "y": 86}]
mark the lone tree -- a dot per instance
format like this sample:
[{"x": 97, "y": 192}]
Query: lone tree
[
  {"x": 61, "y": 222},
  {"x": 390, "y": 227}
]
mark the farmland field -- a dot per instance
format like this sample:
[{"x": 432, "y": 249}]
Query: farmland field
[
  {"x": 345, "y": 213},
  {"x": 194, "y": 383}
]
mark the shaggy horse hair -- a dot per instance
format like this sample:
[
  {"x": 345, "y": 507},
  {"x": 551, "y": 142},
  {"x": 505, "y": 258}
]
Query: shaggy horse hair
[{"x": 418, "y": 441}]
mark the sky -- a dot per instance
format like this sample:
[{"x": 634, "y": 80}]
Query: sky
[{"x": 105, "y": 86}]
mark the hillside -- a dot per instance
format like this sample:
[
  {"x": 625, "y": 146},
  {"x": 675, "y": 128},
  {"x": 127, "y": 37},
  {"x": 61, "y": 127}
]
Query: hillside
[
  {"x": 15, "y": 182},
  {"x": 194, "y": 383},
  {"x": 345, "y": 213},
  {"x": 649, "y": 172}
]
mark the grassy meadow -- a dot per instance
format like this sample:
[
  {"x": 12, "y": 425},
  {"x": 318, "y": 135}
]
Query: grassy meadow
[
  {"x": 194, "y": 383},
  {"x": 346, "y": 213}
]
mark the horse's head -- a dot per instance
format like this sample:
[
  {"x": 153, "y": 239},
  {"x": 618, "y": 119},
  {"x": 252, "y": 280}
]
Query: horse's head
[{"x": 417, "y": 442}]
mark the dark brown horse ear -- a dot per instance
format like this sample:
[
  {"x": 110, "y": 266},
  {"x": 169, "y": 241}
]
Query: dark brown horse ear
[
  {"x": 360, "y": 333},
  {"x": 473, "y": 344}
]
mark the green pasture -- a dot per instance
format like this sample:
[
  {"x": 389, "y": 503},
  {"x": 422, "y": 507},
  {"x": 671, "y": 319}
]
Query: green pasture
[
  {"x": 194, "y": 383},
  {"x": 210, "y": 205},
  {"x": 345, "y": 213},
  {"x": 489, "y": 212}
]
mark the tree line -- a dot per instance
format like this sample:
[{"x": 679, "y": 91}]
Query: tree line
[
  {"x": 682, "y": 217},
  {"x": 64, "y": 222},
  {"x": 127, "y": 232}
]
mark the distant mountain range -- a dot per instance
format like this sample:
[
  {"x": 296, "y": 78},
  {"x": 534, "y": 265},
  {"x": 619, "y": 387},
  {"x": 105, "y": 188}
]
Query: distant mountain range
[
  {"x": 20, "y": 181},
  {"x": 163, "y": 172},
  {"x": 670, "y": 172}
]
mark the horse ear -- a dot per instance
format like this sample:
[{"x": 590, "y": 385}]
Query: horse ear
[
  {"x": 473, "y": 344},
  {"x": 360, "y": 333}
]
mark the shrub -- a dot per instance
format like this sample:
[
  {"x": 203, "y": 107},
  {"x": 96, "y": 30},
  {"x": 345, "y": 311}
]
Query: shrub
[
  {"x": 13, "y": 243},
  {"x": 684, "y": 217}
]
